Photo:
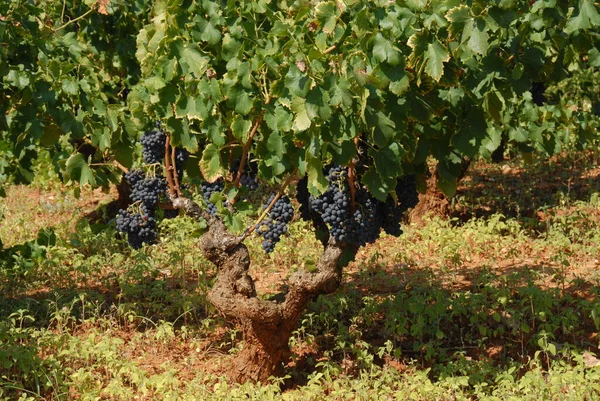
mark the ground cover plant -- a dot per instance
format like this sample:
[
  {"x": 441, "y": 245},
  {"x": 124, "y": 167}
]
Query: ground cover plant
[
  {"x": 233, "y": 126},
  {"x": 489, "y": 308}
]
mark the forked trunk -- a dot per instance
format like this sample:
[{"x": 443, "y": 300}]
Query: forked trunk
[{"x": 266, "y": 325}]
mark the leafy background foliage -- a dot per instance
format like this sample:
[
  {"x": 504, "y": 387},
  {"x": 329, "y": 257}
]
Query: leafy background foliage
[{"x": 409, "y": 79}]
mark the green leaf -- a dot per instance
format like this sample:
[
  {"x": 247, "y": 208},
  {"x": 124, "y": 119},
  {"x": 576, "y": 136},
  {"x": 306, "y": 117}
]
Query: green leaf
[
  {"x": 458, "y": 17},
  {"x": 241, "y": 100},
  {"x": 341, "y": 96},
  {"x": 587, "y": 18},
  {"x": 317, "y": 104},
  {"x": 478, "y": 39},
  {"x": 493, "y": 104},
  {"x": 70, "y": 86},
  {"x": 384, "y": 51},
  {"x": 78, "y": 170},
  {"x": 446, "y": 182},
  {"x": 279, "y": 119},
  {"x": 297, "y": 82},
  {"x": 377, "y": 185},
  {"x": 302, "y": 121},
  {"x": 276, "y": 145},
  {"x": 192, "y": 59},
  {"x": 210, "y": 164},
  {"x": 240, "y": 128},
  {"x": 181, "y": 135},
  {"x": 518, "y": 134},
  {"x": 380, "y": 179},
  {"x": 435, "y": 59},
  {"x": 471, "y": 132},
  {"x": 327, "y": 14},
  {"x": 51, "y": 134},
  {"x": 317, "y": 183},
  {"x": 191, "y": 107},
  {"x": 19, "y": 79},
  {"x": 210, "y": 34},
  {"x": 154, "y": 84},
  {"x": 383, "y": 127}
]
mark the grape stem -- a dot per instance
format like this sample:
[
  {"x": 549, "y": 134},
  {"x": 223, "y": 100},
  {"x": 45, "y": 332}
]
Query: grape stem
[
  {"x": 175, "y": 176},
  {"x": 66, "y": 24},
  {"x": 252, "y": 228},
  {"x": 169, "y": 167},
  {"x": 245, "y": 151},
  {"x": 352, "y": 186}
]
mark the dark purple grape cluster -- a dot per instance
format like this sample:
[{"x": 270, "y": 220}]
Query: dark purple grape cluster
[
  {"x": 390, "y": 214},
  {"x": 208, "y": 189},
  {"x": 140, "y": 227},
  {"x": 275, "y": 225},
  {"x": 134, "y": 176},
  {"x": 248, "y": 179},
  {"x": 360, "y": 223},
  {"x": 153, "y": 145},
  {"x": 356, "y": 227},
  {"x": 406, "y": 191},
  {"x": 181, "y": 155},
  {"x": 149, "y": 191}
]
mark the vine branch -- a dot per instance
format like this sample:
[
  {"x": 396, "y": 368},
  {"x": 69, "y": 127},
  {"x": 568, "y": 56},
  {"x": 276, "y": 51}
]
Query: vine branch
[
  {"x": 174, "y": 169},
  {"x": 82, "y": 16},
  {"x": 247, "y": 145},
  {"x": 252, "y": 228},
  {"x": 169, "y": 168}
]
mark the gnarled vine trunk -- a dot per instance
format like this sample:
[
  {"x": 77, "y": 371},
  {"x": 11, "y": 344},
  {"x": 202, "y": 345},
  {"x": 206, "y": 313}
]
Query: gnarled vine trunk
[
  {"x": 266, "y": 325},
  {"x": 433, "y": 201}
]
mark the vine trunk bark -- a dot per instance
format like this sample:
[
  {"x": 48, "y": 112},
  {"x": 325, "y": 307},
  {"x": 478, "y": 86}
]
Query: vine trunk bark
[
  {"x": 434, "y": 202},
  {"x": 266, "y": 325}
]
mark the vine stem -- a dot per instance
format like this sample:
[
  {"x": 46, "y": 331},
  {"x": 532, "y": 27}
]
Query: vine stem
[
  {"x": 247, "y": 145},
  {"x": 251, "y": 229},
  {"x": 171, "y": 184},
  {"x": 351, "y": 184},
  {"x": 329, "y": 49},
  {"x": 174, "y": 169},
  {"x": 82, "y": 16}
]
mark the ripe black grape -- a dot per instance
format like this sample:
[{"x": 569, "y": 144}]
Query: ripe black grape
[
  {"x": 181, "y": 155},
  {"x": 208, "y": 189},
  {"x": 406, "y": 191},
  {"x": 153, "y": 145},
  {"x": 140, "y": 227},
  {"x": 275, "y": 225},
  {"x": 390, "y": 214},
  {"x": 134, "y": 176},
  {"x": 356, "y": 227},
  {"x": 248, "y": 178},
  {"x": 148, "y": 191}
]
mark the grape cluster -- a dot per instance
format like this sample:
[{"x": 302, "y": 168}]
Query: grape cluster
[
  {"x": 153, "y": 145},
  {"x": 139, "y": 226},
  {"x": 406, "y": 191},
  {"x": 134, "y": 176},
  {"x": 148, "y": 191},
  {"x": 249, "y": 181},
  {"x": 357, "y": 227},
  {"x": 390, "y": 214},
  {"x": 248, "y": 178},
  {"x": 359, "y": 223},
  {"x": 272, "y": 228},
  {"x": 138, "y": 222},
  {"x": 181, "y": 155},
  {"x": 208, "y": 189}
]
